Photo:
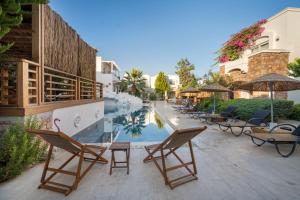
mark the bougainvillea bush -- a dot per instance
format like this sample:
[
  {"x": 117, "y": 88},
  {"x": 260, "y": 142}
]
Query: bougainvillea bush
[{"x": 240, "y": 41}]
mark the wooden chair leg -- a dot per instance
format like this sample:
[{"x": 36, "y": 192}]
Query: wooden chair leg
[
  {"x": 127, "y": 160},
  {"x": 164, "y": 166},
  {"x": 47, "y": 164},
  {"x": 193, "y": 158},
  {"x": 77, "y": 178},
  {"x": 112, "y": 161}
]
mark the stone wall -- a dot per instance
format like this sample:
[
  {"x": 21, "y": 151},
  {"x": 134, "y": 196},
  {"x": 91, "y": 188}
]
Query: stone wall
[
  {"x": 238, "y": 76},
  {"x": 267, "y": 62},
  {"x": 261, "y": 63}
]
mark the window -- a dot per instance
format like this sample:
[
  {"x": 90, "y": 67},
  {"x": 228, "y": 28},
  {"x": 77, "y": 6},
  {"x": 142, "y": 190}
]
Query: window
[{"x": 262, "y": 44}]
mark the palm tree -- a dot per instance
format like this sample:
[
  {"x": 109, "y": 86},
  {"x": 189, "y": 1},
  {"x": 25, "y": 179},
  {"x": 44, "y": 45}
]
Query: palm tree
[
  {"x": 215, "y": 77},
  {"x": 135, "y": 81},
  {"x": 135, "y": 123}
]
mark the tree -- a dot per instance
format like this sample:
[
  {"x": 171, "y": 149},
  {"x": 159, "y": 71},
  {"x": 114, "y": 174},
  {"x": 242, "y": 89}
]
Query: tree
[
  {"x": 135, "y": 81},
  {"x": 215, "y": 77},
  {"x": 123, "y": 86},
  {"x": 11, "y": 15},
  {"x": 184, "y": 70},
  {"x": 162, "y": 84},
  {"x": 294, "y": 68}
]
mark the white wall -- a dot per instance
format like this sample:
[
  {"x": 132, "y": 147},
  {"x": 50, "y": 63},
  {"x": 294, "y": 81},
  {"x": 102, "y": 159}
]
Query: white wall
[
  {"x": 98, "y": 63},
  {"x": 87, "y": 115},
  {"x": 294, "y": 95},
  {"x": 283, "y": 30},
  {"x": 107, "y": 81}
]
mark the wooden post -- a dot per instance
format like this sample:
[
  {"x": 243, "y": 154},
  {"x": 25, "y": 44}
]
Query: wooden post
[
  {"x": 38, "y": 47},
  {"x": 22, "y": 84},
  {"x": 78, "y": 88}
]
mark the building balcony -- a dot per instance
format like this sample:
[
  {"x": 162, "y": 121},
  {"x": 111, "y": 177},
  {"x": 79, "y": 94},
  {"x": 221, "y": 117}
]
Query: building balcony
[
  {"x": 239, "y": 64},
  {"x": 27, "y": 88}
]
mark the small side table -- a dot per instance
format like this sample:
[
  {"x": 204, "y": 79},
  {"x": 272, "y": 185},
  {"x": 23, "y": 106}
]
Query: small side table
[{"x": 119, "y": 146}]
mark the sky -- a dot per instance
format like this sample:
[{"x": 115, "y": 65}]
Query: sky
[{"x": 154, "y": 35}]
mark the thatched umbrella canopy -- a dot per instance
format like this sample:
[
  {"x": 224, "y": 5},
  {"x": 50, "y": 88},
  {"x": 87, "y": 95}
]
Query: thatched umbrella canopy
[
  {"x": 215, "y": 87},
  {"x": 190, "y": 90},
  {"x": 271, "y": 82}
]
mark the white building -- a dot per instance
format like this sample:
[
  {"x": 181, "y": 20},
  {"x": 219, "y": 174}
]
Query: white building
[
  {"x": 173, "y": 80},
  {"x": 108, "y": 73},
  {"x": 279, "y": 44},
  {"x": 282, "y": 33}
]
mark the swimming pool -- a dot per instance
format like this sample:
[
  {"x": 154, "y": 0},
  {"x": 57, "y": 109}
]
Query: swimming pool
[{"x": 143, "y": 125}]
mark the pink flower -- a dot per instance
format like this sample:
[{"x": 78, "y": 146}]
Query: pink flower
[
  {"x": 261, "y": 29},
  {"x": 223, "y": 59},
  {"x": 263, "y": 21},
  {"x": 240, "y": 44}
]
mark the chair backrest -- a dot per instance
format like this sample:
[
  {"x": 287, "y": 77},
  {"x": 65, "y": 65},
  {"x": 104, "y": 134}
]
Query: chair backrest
[
  {"x": 210, "y": 110},
  {"x": 181, "y": 137},
  {"x": 260, "y": 116},
  {"x": 57, "y": 139},
  {"x": 228, "y": 111},
  {"x": 297, "y": 131}
]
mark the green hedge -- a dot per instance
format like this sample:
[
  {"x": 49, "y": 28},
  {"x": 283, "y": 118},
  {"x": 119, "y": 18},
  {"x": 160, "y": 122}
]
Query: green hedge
[
  {"x": 19, "y": 149},
  {"x": 246, "y": 107},
  {"x": 296, "y": 112}
]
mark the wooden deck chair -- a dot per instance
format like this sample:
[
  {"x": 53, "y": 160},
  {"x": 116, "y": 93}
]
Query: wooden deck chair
[
  {"x": 171, "y": 144},
  {"x": 282, "y": 134},
  {"x": 84, "y": 152}
]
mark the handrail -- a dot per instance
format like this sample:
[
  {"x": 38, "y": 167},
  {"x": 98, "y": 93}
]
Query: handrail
[
  {"x": 22, "y": 60},
  {"x": 38, "y": 85}
]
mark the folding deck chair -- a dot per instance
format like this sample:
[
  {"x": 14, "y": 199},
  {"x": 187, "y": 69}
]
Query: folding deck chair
[
  {"x": 171, "y": 144},
  {"x": 62, "y": 141},
  {"x": 282, "y": 134},
  {"x": 258, "y": 119}
]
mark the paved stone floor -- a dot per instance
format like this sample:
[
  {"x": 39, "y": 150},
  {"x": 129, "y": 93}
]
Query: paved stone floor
[{"x": 229, "y": 167}]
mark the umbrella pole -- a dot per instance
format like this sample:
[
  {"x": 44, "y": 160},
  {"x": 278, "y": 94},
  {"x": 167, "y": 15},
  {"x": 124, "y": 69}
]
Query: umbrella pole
[
  {"x": 272, "y": 108},
  {"x": 214, "y": 102}
]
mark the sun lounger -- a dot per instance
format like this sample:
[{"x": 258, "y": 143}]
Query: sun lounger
[
  {"x": 277, "y": 136},
  {"x": 171, "y": 144},
  {"x": 76, "y": 149},
  {"x": 258, "y": 119},
  {"x": 198, "y": 114},
  {"x": 223, "y": 116},
  {"x": 191, "y": 109}
]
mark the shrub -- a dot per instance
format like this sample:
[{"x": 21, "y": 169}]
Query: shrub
[
  {"x": 19, "y": 149},
  {"x": 209, "y": 102},
  {"x": 152, "y": 96},
  {"x": 246, "y": 107},
  {"x": 295, "y": 113}
]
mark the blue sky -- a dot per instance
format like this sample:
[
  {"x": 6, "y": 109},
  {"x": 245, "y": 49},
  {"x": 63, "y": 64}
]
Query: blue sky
[{"x": 154, "y": 34}]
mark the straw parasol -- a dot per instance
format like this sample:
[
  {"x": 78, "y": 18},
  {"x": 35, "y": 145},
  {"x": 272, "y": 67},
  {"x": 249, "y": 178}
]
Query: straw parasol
[
  {"x": 271, "y": 82},
  {"x": 215, "y": 87},
  {"x": 190, "y": 90}
]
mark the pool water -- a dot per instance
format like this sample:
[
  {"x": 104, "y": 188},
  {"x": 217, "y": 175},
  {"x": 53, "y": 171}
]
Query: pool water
[{"x": 143, "y": 125}]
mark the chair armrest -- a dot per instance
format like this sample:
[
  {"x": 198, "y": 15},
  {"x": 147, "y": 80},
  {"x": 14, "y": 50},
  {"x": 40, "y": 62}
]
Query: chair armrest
[{"x": 282, "y": 125}]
